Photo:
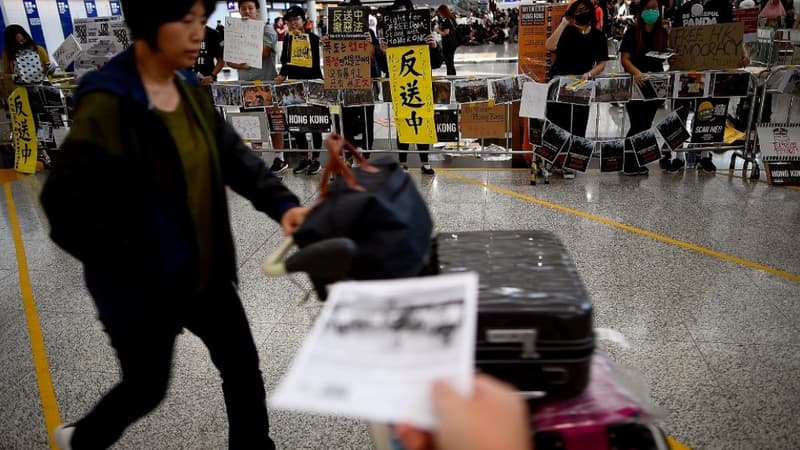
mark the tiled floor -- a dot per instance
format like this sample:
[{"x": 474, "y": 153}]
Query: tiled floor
[{"x": 715, "y": 340}]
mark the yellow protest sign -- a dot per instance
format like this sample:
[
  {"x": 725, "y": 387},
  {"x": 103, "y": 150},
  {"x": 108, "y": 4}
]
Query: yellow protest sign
[
  {"x": 412, "y": 95},
  {"x": 300, "y": 54},
  {"x": 23, "y": 130}
]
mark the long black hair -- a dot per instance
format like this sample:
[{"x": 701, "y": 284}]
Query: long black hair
[
  {"x": 12, "y": 47},
  {"x": 659, "y": 32},
  {"x": 145, "y": 17}
]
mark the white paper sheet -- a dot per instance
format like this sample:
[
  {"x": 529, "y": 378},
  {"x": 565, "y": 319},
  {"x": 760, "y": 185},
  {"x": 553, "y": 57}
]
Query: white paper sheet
[
  {"x": 248, "y": 127},
  {"x": 534, "y": 100},
  {"x": 244, "y": 41},
  {"x": 66, "y": 53},
  {"x": 378, "y": 346}
]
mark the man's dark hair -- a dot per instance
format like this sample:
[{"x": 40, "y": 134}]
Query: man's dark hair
[
  {"x": 258, "y": 5},
  {"x": 144, "y": 17},
  {"x": 294, "y": 11}
]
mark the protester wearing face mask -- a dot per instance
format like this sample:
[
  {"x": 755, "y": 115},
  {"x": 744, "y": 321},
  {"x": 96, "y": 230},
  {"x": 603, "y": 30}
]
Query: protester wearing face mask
[
  {"x": 648, "y": 34},
  {"x": 580, "y": 50}
]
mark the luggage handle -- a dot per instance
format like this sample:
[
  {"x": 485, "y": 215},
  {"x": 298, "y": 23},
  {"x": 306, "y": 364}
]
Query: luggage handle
[
  {"x": 274, "y": 265},
  {"x": 335, "y": 143}
]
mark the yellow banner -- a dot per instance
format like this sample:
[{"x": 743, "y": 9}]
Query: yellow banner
[
  {"x": 23, "y": 130},
  {"x": 300, "y": 54},
  {"x": 412, "y": 95}
]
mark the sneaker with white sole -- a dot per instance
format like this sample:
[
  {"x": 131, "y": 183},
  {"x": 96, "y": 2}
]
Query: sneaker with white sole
[
  {"x": 279, "y": 166},
  {"x": 427, "y": 169},
  {"x": 314, "y": 167},
  {"x": 62, "y": 436}
]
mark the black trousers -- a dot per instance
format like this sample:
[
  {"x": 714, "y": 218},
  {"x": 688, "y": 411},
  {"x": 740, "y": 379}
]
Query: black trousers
[
  {"x": 359, "y": 120},
  {"x": 641, "y": 115},
  {"x": 144, "y": 337},
  {"x": 302, "y": 142},
  {"x": 423, "y": 157},
  {"x": 573, "y": 118},
  {"x": 449, "y": 59}
]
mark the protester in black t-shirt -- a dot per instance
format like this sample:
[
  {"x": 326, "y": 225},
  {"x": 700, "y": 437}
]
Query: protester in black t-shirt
[
  {"x": 580, "y": 50},
  {"x": 209, "y": 63},
  {"x": 648, "y": 34}
]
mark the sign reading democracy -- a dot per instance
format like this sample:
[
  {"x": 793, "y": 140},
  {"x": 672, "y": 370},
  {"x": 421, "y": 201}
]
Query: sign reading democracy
[{"x": 707, "y": 47}]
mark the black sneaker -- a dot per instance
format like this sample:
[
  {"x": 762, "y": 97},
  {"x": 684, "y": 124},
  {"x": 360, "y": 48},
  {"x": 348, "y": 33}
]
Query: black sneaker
[
  {"x": 665, "y": 164},
  {"x": 427, "y": 169},
  {"x": 706, "y": 165},
  {"x": 314, "y": 167},
  {"x": 675, "y": 166},
  {"x": 278, "y": 166},
  {"x": 404, "y": 166},
  {"x": 302, "y": 167},
  {"x": 634, "y": 171}
]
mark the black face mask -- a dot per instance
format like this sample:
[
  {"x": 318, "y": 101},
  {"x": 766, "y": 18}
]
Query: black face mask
[{"x": 584, "y": 18}]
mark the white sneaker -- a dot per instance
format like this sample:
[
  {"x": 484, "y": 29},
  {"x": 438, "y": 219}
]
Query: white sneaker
[
  {"x": 569, "y": 175},
  {"x": 63, "y": 436}
]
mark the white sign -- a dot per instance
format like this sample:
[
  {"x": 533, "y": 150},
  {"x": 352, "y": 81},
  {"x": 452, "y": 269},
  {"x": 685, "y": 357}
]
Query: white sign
[
  {"x": 249, "y": 127},
  {"x": 378, "y": 346},
  {"x": 66, "y": 53},
  {"x": 244, "y": 41},
  {"x": 534, "y": 100}
]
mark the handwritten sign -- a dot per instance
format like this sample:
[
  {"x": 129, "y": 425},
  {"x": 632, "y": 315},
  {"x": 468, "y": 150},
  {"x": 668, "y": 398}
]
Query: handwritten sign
[
  {"x": 412, "y": 96},
  {"x": 23, "y": 129},
  {"x": 66, "y": 53},
  {"x": 479, "y": 120},
  {"x": 314, "y": 118},
  {"x": 347, "y": 64},
  {"x": 251, "y": 126},
  {"x": 300, "y": 51},
  {"x": 244, "y": 41},
  {"x": 347, "y": 22},
  {"x": 707, "y": 47},
  {"x": 407, "y": 27}
]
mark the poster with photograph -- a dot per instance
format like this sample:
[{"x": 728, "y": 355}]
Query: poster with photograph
[
  {"x": 575, "y": 91},
  {"x": 580, "y": 152},
  {"x": 730, "y": 84},
  {"x": 441, "y": 92},
  {"x": 286, "y": 94},
  {"x": 692, "y": 85},
  {"x": 226, "y": 94},
  {"x": 277, "y": 119},
  {"x": 645, "y": 147},
  {"x": 358, "y": 97},
  {"x": 613, "y": 89},
  {"x": 256, "y": 96},
  {"x": 446, "y": 125},
  {"x": 536, "y": 130},
  {"x": 655, "y": 86},
  {"x": 251, "y": 126},
  {"x": 313, "y": 118},
  {"x": 318, "y": 95},
  {"x": 348, "y": 22},
  {"x": 405, "y": 28},
  {"x": 709, "y": 120},
  {"x": 672, "y": 129},
  {"x": 554, "y": 141},
  {"x": 471, "y": 91},
  {"x": 507, "y": 90},
  {"x": 612, "y": 154}
]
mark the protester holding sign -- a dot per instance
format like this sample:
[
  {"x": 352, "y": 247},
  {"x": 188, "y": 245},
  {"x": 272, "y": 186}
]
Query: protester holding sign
[
  {"x": 647, "y": 35},
  {"x": 580, "y": 50},
  {"x": 300, "y": 61}
]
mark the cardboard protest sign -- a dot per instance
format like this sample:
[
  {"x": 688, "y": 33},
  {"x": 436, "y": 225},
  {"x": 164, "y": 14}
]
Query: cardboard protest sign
[
  {"x": 347, "y": 64},
  {"x": 446, "y": 125},
  {"x": 707, "y": 47},
  {"x": 479, "y": 120},
  {"x": 412, "y": 95},
  {"x": 407, "y": 27},
  {"x": 314, "y": 118},
  {"x": 23, "y": 129},
  {"x": 244, "y": 41},
  {"x": 346, "y": 22}
]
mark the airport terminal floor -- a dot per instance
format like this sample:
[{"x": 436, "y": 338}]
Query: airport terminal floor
[{"x": 700, "y": 273}]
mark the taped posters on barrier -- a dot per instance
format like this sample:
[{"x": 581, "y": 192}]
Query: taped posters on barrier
[
  {"x": 299, "y": 52},
  {"x": 536, "y": 23},
  {"x": 412, "y": 96},
  {"x": 673, "y": 130},
  {"x": 313, "y": 118},
  {"x": 536, "y": 130},
  {"x": 479, "y": 120},
  {"x": 709, "y": 120},
  {"x": 580, "y": 152},
  {"x": 347, "y": 23},
  {"x": 347, "y": 64},
  {"x": 554, "y": 141},
  {"x": 612, "y": 154},
  {"x": 715, "y": 47},
  {"x": 23, "y": 128},
  {"x": 244, "y": 41},
  {"x": 534, "y": 99},
  {"x": 446, "y": 125},
  {"x": 276, "y": 119},
  {"x": 645, "y": 147},
  {"x": 405, "y": 28}
]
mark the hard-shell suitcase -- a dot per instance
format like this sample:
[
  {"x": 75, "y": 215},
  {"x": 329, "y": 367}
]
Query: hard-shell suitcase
[{"x": 534, "y": 315}]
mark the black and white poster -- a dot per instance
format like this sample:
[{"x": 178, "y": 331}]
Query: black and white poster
[
  {"x": 287, "y": 94},
  {"x": 578, "y": 92},
  {"x": 645, "y": 147},
  {"x": 554, "y": 141},
  {"x": 616, "y": 89},
  {"x": 471, "y": 91},
  {"x": 348, "y": 22},
  {"x": 277, "y": 120},
  {"x": 580, "y": 152},
  {"x": 692, "y": 85},
  {"x": 726, "y": 84},
  {"x": 308, "y": 118},
  {"x": 446, "y": 125},
  {"x": 407, "y": 27},
  {"x": 441, "y": 92},
  {"x": 507, "y": 90},
  {"x": 358, "y": 97},
  {"x": 655, "y": 86},
  {"x": 673, "y": 130},
  {"x": 318, "y": 95},
  {"x": 709, "y": 120},
  {"x": 611, "y": 155},
  {"x": 226, "y": 95},
  {"x": 536, "y": 130}
]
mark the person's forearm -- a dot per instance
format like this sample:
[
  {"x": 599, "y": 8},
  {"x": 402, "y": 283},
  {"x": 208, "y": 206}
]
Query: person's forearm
[
  {"x": 597, "y": 69},
  {"x": 625, "y": 60},
  {"x": 552, "y": 42}
]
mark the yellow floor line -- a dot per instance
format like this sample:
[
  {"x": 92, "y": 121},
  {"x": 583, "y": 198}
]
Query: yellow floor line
[
  {"x": 52, "y": 417},
  {"x": 632, "y": 229}
]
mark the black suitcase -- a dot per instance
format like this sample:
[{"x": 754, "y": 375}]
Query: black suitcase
[{"x": 535, "y": 326}]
